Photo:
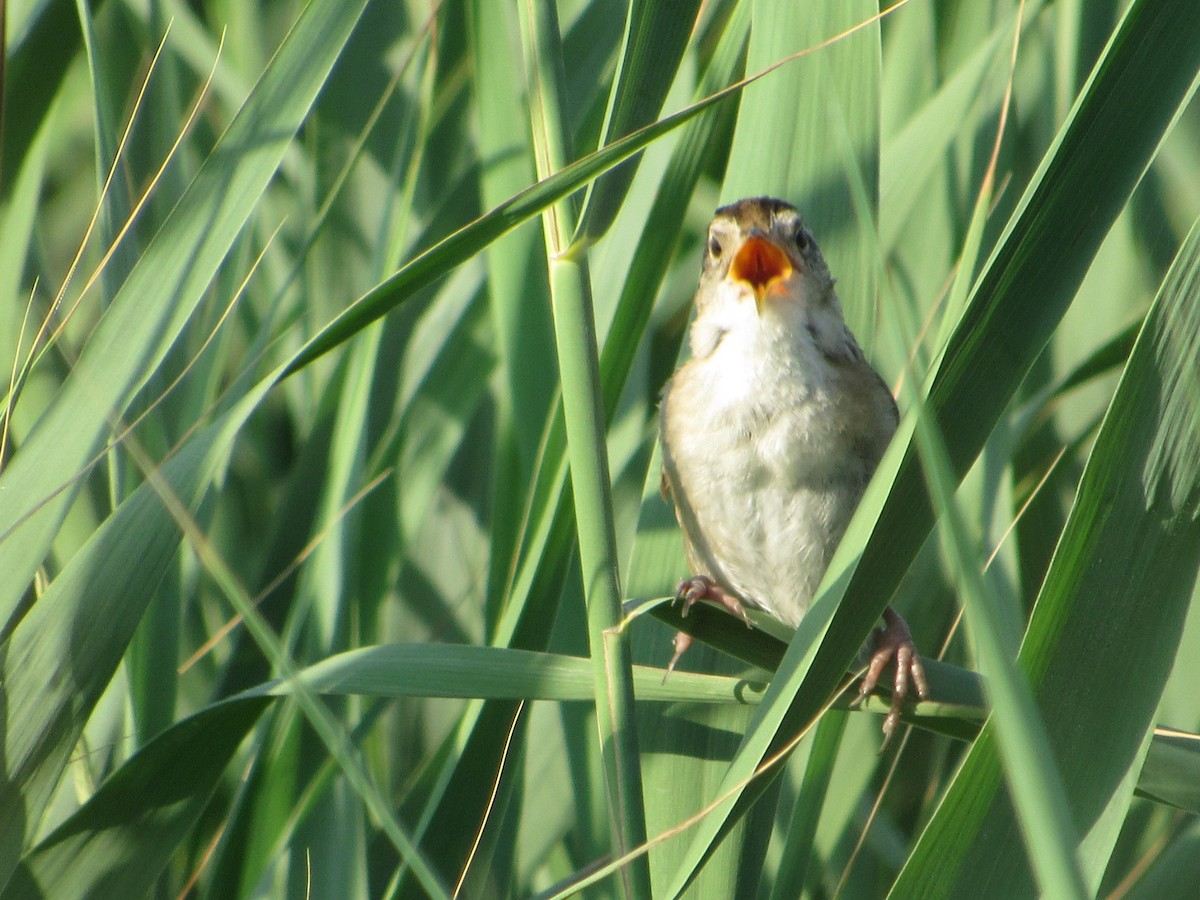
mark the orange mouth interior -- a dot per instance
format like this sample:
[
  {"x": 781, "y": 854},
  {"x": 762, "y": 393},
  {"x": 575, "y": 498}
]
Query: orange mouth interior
[{"x": 760, "y": 263}]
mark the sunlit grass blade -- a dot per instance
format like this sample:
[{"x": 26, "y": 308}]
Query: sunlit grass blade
[
  {"x": 583, "y": 416},
  {"x": 1132, "y": 542}
]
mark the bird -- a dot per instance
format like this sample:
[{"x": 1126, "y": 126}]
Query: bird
[{"x": 771, "y": 430}]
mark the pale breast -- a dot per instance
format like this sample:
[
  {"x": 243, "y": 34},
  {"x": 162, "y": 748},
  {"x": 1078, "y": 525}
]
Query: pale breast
[{"x": 764, "y": 481}]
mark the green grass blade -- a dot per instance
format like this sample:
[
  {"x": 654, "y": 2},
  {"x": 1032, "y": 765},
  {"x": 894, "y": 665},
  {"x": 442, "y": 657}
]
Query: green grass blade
[
  {"x": 63, "y": 653},
  {"x": 118, "y": 843},
  {"x": 36, "y": 61},
  {"x": 583, "y": 415},
  {"x": 517, "y": 289},
  {"x": 802, "y": 830},
  {"x": 912, "y": 157},
  {"x": 1024, "y": 748},
  {"x": 656, "y": 35},
  {"x": 1025, "y": 288},
  {"x": 495, "y": 673},
  {"x": 1171, "y": 772},
  {"x": 161, "y": 293},
  {"x": 1118, "y": 588},
  {"x": 811, "y": 132},
  {"x": 1175, "y": 872},
  {"x": 698, "y": 142}
]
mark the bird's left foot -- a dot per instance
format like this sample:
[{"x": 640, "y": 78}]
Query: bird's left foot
[{"x": 894, "y": 640}]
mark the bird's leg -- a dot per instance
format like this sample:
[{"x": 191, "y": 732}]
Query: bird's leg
[
  {"x": 682, "y": 641},
  {"x": 894, "y": 640},
  {"x": 692, "y": 590}
]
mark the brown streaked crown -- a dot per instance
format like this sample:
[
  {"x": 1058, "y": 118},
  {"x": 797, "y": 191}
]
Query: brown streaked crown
[{"x": 755, "y": 212}]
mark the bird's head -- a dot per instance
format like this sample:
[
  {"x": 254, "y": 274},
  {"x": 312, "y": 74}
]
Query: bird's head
[{"x": 761, "y": 249}]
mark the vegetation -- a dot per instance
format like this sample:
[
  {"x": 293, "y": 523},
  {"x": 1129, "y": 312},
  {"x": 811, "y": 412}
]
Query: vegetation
[{"x": 333, "y": 558}]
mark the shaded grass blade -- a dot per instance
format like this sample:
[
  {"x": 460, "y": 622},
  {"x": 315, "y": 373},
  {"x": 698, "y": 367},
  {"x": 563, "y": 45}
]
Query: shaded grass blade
[{"x": 118, "y": 843}]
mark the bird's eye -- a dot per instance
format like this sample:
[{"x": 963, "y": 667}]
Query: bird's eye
[
  {"x": 802, "y": 239},
  {"x": 714, "y": 247}
]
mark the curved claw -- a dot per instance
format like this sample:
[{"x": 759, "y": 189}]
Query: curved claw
[
  {"x": 691, "y": 591},
  {"x": 895, "y": 640},
  {"x": 701, "y": 587}
]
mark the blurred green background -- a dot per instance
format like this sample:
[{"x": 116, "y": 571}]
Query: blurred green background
[{"x": 334, "y": 336}]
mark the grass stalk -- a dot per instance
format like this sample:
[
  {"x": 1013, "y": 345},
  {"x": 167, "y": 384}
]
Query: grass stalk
[{"x": 583, "y": 411}]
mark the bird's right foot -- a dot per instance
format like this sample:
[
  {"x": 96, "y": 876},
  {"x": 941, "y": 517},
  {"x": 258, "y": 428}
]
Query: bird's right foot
[
  {"x": 691, "y": 591},
  {"x": 701, "y": 587}
]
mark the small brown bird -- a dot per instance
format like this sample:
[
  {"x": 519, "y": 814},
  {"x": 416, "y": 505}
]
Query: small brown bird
[{"x": 771, "y": 431}]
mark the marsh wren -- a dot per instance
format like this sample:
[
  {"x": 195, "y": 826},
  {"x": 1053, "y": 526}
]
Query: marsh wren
[{"x": 771, "y": 431}]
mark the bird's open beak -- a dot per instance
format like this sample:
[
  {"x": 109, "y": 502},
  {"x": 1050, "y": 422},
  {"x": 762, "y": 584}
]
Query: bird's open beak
[{"x": 760, "y": 263}]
